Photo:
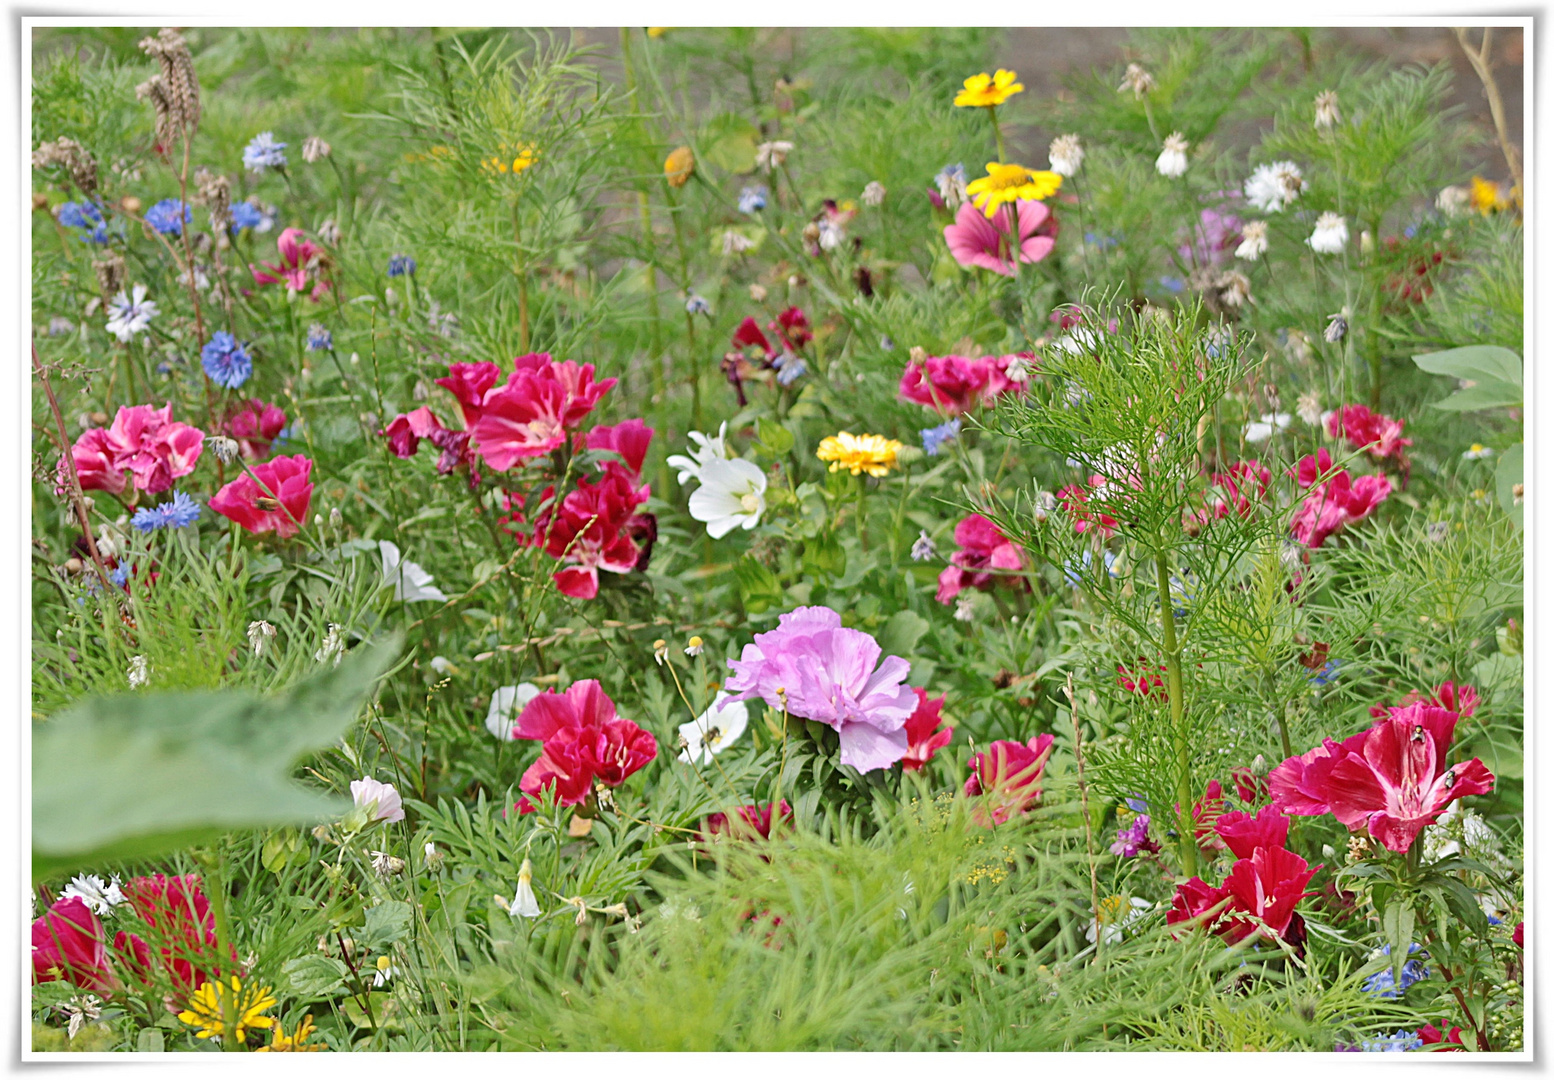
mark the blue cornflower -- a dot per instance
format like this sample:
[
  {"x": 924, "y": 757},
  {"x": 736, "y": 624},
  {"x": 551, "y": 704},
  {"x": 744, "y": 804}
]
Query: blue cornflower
[
  {"x": 1173, "y": 284},
  {"x": 169, "y": 216},
  {"x": 1100, "y": 241},
  {"x": 245, "y": 215},
  {"x": 753, "y": 198},
  {"x": 697, "y": 305},
  {"x": 400, "y": 265},
  {"x": 226, "y": 361},
  {"x": 88, "y": 218},
  {"x": 120, "y": 575},
  {"x": 1137, "y": 804},
  {"x": 1381, "y": 983},
  {"x": 1326, "y": 675},
  {"x": 263, "y": 152},
  {"x": 1400, "y": 1041},
  {"x": 1071, "y": 569},
  {"x": 319, "y": 338},
  {"x": 790, "y": 368},
  {"x": 935, "y": 437},
  {"x": 181, "y": 512}
]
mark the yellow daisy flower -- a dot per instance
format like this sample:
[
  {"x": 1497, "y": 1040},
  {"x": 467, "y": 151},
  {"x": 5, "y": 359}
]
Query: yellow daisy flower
[
  {"x": 679, "y": 166},
  {"x": 1488, "y": 196},
  {"x": 873, "y": 454},
  {"x": 1007, "y": 183},
  {"x": 525, "y": 157},
  {"x": 984, "y": 89},
  {"x": 297, "y": 1042},
  {"x": 207, "y": 1006}
]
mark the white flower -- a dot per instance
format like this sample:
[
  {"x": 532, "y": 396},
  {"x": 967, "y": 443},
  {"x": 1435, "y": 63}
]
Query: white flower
[
  {"x": 712, "y": 731},
  {"x": 831, "y": 235},
  {"x": 333, "y": 648},
  {"x": 660, "y": 652},
  {"x": 707, "y": 448},
  {"x": 385, "y": 971},
  {"x": 409, "y": 580},
  {"x": 137, "y": 672},
  {"x": 1453, "y": 201},
  {"x": 1476, "y": 452},
  {"x": 1330, "y": 235},
  {"x": 314, "y": 148},
  {"x": 506, "y": 703},
  {"x": 1254, "y": 241},
  {"x": 1065, "y": 155},
  {"x": 433, "y": 858},
  {"x": 732, "y": 495},
  {"x": 966, "y": 608},
  {"x": 873, "y": 193},
  {"x": 1018, "y": 369},
  {"x": 442, "y": 665},
  {"x": 524, "y": 904},
  {"x": 695, "y": 646},
  {"x": 1138, "y": 80},
  {"x": 769, "y": 155},
  {"x": 923, "y": 547},
  {"x": 1327, "y": 109},
  {"x": 1271, "y": 188},
  {"x": 736, "y": 242},
  {"x": 1116, "y": 915},
  {"x": 102, "y": 897},
  {"x": 1260, "y": 431},
  {"x": 260, "y": 634},
  {"x": 127, "y": 317},
  {"x": 1309, "y": 408},
  {"x": 378, "y": 799},
  {"x": 386, "y": 865},
  {"x": 1172, "y": 161}
]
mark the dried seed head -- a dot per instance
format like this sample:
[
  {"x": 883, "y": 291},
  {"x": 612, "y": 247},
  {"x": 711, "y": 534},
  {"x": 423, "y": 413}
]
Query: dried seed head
[
  {"x": 74, "y": 157},
  {"x": 110, "y": 276},
  {"x": 154, "y": 90},
  {"x": 180, "y": 87},
  {"x": 215, "y": 191},
  {"x": 314, "y": 149}
]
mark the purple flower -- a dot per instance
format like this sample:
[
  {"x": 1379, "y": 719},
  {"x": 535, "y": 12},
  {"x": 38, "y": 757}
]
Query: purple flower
[
  {"x": 815, "y": 669},
  {"x": 1216, "y": 236},
  {"x": 1134, "y": 839}
]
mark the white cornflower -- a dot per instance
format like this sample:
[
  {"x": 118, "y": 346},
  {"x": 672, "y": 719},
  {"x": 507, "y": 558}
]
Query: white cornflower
[
  {"x": 873, "y": 193},
  {"x": 1454, "y": 201},
  {"x": 524, "y": 903},
  {"x": 329, "y": 232},
  {"x": 736, "y": 242},
  {"x": 1138, "y": 80},
  {"x": 1330, "y": 235},
  {"x": 1234, "y": 288},
  {"x": 1327, "y": 109},
  {"x": 442, "y": 665},
  {"x": 1018, "y": 369},
  {"x": 1260, "y": 431},
  {"x": 225, "y": 449},
  {"x": 831, "y": 235},
  {"x": 951, "y": 181},
  {"x": 769, "y": 155},
  {"x": 1309, "y": 408},
  {"x": 923, "y": 547},
  {"x": 333, "y": 648},
  {"x": 757, "y": 292},
  {"x": 713, "y": 731},
  {"x": 126, "y": 317},
  {"x": 1114, "y": 916},
  {"x": 506, "y": 703},
  {"x": 1272, "y": 187},
  {"x": 966, "y": 608},
  {"x": 706, "y": 448},
  {"x": 1172, "y": 161},
  {"x": 137, "y": 673},
  {"x": 99, "y": 895},
  {"x": 1254, "y": 241},
  {"x": 1065, "y": 155},
  {"x": 732, "y": 495},
  {"x": 385, "y": 970},
  {"x": 1337, "y": 328},
  {"x": 260, "y": 634},
  {"x": 410, "y": 582}
]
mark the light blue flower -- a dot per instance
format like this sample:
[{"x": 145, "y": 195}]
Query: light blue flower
[
  {"x": 245, "y": 215},
  {"x": 169, "y": 217},
  {"x": 1400, "y": 1041},
  {"x": 226, "y": 361},
  {"x": 1172, "y": 284},
  {"x": 1326, "y": 675},
  {"x": 180, "y": 513},
  {"x": 934, "y": 438},
  {"x": 400, "y": 265},
  {"x": 263, "y": 152},
  {"x": 789, "y": 368},
  {"x": 88, "y": 218},
  {"x": 1072, "y": 569},
  {"x": 319, "y": 338},
  {"x": 697, "y": 305},
  {"x": 752, "y": 199},
  {"x": 1382, "y": 985}
]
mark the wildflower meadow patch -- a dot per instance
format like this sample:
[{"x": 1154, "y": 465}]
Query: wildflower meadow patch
[{"x": 698, "y": 539}]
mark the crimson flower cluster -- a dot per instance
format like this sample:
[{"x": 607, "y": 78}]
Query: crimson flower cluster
[
  {"x": 1076, "y": 498},
  {"x": 300, "y": 259},
  {"x": 255, "y": 425},
  {"x": 144, "y": 446},
  {"x": 1333, "y": 502},
  {"x": 1233, "y": 492},
  {"x": 1378, "y": 435},
  {"x": 584, "y": 743},
  {"x": 952, "y": 385},
  {"x": 925, "y": 736},
  {"x": 1005, "y": 779},
  {"x": 986, "y": 557},
  {"x": 793, "y": 331},
  {"x": 1263, "y": 887}
]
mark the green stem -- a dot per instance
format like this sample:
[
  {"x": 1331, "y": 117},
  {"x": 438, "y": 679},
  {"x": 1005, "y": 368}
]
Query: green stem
[
  {"x": 998, "y": 133},
  {"x": 1188, "y": 843},
  {"x": 216, "y": 893}
]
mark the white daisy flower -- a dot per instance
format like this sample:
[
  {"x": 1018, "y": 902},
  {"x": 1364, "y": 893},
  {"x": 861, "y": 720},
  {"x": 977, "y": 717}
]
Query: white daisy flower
[
  {"x": 1172, "y": 161},
  {"x": 99, "y": 895},
  {"x": 1272, "y": 187},
  {"x": 713, "y": 731},
  {"x": 1065, "y": 155},
  {"x": 1254, "y": 241},
  {"x": 1330, "y": 235}
]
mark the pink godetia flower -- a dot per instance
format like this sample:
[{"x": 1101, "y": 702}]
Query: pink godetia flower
[
  {"x": 583, "y": 742},
  {"x": 792, "y": 326},
  {"x": 1234, "y": 492},
  {"x": 469, "y": 384},
  {"x": 380, "y": 800},
  {"x": 749, "y": 822},
  {"x": 1244, "y": 833},
  {"x": 69, "y": 944},
  {"x": 925, "y": 737},
  {"x": 146, "y": 442},
  {"x": 255, "y": 425},
  {"x": 299, "y": 258},
  {"x": 813, "y": 668},
  {"x": 280, "y": 507},
  {"x": 530, "y": 415},
  {"x": 1251, "y": 788},
  {"x": 1005, "y": 779},
  {"x": 952, "y": 385},
  {"x": 1077, "y": 504},
  {"x": 593, "y": 530},
  {"x": 1142, "y": 681},
  {"x": 1205, "y": 812},
  {"x": 630, "y": 439},
  {"x": 181, "y": 925},
  {"x": 1391, "y": 779},
  {"x": 986, "y": 556},
  {"x": 1333, "y": 502},
  {"x": 1380, "y": 436},
  {"x": 977, "y": 240},
  {"x": 1460, "y": 699},
  {"x": 1266, "y": 886}
]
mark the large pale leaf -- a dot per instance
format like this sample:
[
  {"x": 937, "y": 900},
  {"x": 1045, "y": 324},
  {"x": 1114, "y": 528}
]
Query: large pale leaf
[
  {"x": 139, "y": 775},
  {"x": 1495, "y": 371},
  {"x": 1508, "y": 474}
]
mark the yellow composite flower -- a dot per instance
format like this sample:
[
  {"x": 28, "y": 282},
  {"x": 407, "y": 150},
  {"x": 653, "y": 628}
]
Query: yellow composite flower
[
  {"x": 297, "y": 1042},
  {"x": 1488, "y": 196},
  {"x": 522, "y": 157},
  {"x": 873, "y": 454},
  {"x": 984, "y": 89},
  {"x": 679, "y": 166},
  {"x": 1007, "y": 183},
  {"x": 207, "y": 1004}
]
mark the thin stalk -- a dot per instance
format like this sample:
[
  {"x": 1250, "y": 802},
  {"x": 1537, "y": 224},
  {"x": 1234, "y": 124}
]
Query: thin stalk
[
  {"x": 1188, "y": 843},
  {"x": 216, "y": 893}
]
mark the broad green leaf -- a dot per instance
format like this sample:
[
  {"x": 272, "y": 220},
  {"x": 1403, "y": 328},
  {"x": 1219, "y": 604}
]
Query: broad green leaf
[
  {"x": 149, "y": 1041},
  {"x": 1508, "y": 474},
  {"x": 140, "y": 775},
  {"x": 1480, "y": 363},
  {"x": 1397, "y": 926},
  {"x": 773, "y": 436},
  {"x": 759, "y": 588},
  {"x": 901, "y": 633},
  {"x": 824, "y": 556},
  {"x": 314, "y": 976},
  {"x": 386, "y": 923},
  {"x": 1488, "y": 394}
]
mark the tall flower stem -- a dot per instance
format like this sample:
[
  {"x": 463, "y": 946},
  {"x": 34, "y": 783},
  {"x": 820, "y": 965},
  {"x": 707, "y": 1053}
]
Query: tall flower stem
[
  {"x": 1188, "y": 843},
  {"x": 645, "y": 218},
  {"x": 998, "y": 133},
  {"x": 216, "y": 893}
]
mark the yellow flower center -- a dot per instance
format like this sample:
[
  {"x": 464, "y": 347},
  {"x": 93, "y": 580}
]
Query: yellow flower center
[{"x": 750, "y": 502}]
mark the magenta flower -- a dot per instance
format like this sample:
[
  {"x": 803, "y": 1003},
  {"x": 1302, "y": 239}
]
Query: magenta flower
[
  {"x": 976, "y": 240},
  {"x": 813, "y": 668},
  {"x": 299, "y": 257}
]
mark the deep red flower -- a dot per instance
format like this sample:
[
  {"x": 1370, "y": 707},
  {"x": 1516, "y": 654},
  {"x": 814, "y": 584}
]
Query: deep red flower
[
  {"x": 1251, "y": 789},
  {"x": 1380, "y": 436},
  {"x": 924, "y": 736},
  {"x": 584, "y": 742},
  {"x": 629, "y": 439},
  {"x": 1451, "y": 1040},
  {"x": 406, "y": 431},
  {"x": 68, "y": 943},
  {"x": 1516, "y": 936},
  {"x": 1075, "y": 498},
  {"x": 1233, "y": 491},
  {"x": 754, "y": 820},
  {"x": 983, "y": 550},
  {"x": 1462, "y": 700},
  {"x": 286, "y": 478},
  {"x": 1205, "y": 812},
  {"x": 1243, "y": 833},
  {"x": 1391, "y": 779},
  {"x": 1005, "y": 779},
  {"x": 956, "y": 384},
  {"x": 591, "y": 531},
  {"x": 298, "y": 256},
  {"x": 255, "y": 425},
  {"x": 530, "y": 415},
  {"x": 1267, "y": 885},
  {"x": 792, "y": 326},
  {"x": 1197, "y": 899},
  {"x": 1143, "y": 682},
  {"x": 749, "y": 333},
  {"x": 182, "y": 926}
]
